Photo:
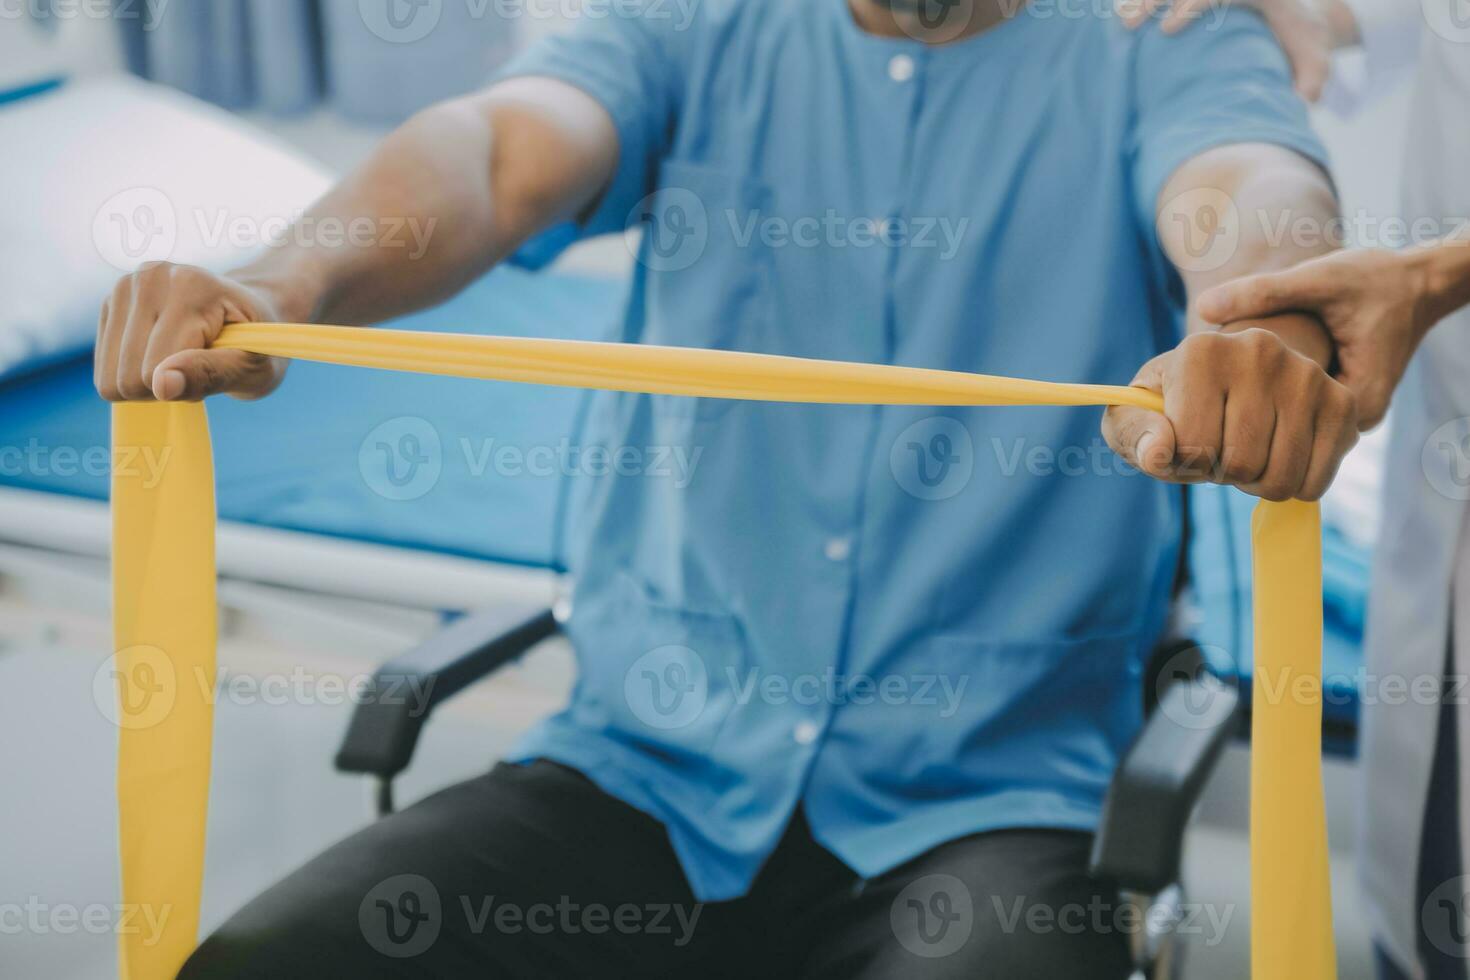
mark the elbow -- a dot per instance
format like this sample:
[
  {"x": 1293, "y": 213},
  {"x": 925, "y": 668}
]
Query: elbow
[{"x": 1244, "y": 210}]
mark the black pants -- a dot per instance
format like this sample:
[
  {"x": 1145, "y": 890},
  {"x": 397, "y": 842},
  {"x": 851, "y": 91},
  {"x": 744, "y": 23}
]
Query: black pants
[{"x": 535, "y": 872}]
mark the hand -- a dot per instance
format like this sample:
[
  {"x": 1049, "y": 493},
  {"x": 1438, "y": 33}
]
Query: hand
[
  {"x": 1242, "y": 409},
  {"x": 1300, "y": 28},
  {"x": 155, "y": 330},
  {"x": 1373, "y": 302}
]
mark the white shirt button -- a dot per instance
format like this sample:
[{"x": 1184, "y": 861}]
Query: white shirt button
[
  {"x": 838, "y": 549},
  {"x": 805, "y": 732},
  {"x": 901, "y": 68}
]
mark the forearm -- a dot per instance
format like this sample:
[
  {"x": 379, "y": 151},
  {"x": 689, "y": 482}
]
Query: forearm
[
  {"x": 1444, "y": 269},
  {"x": 452, "y": 192},
  {"x": 1281, "y": 208}
]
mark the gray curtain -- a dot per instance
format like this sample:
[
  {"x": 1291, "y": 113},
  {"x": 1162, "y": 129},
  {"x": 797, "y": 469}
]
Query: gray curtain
[{"x": 371, "y": 60}]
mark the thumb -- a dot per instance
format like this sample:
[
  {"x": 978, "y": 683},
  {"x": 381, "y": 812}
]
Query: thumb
[
  {"x": 1257, "y": 296},
  {"x": 192, "y": 375},
  {"x": 1145, "y": 439}
]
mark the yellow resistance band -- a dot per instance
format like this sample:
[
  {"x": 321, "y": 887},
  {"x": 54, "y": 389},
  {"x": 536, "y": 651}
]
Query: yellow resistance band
[{"x": 164, "y": 608}]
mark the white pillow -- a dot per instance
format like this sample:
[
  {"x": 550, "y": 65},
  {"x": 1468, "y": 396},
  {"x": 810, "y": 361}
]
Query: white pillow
[{"x": 104, "y": 174}]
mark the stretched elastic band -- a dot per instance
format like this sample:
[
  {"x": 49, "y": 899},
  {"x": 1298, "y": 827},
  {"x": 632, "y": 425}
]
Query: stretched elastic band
[{"x": 165, "y": 616}]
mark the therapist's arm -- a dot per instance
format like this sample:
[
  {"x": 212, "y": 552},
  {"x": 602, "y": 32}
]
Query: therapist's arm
[
  {"x": 1378, "y": 304},
  {"x": 472, "y": 178},
  {"x": 1250, "y": 405}
]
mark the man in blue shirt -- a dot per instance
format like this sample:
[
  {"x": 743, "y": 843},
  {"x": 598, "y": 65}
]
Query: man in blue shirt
[{"x": 861, "y": 684}]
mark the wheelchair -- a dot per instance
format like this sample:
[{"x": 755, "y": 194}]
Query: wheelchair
[{"x": 1190, "y": 713}]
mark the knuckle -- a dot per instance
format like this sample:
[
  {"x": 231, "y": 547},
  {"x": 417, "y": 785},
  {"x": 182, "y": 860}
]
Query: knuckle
[
  {"x": 208, "y": 374},
  {"x": 1237, "y": 467},
  {"x": 1264, "y": 349},
  {"x": 1277, "y": 490},
  {"x": 132, "y": 389}
]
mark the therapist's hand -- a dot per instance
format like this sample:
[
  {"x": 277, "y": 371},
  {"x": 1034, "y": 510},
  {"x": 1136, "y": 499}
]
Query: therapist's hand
[
  {"x": 1240, "y": 408},
  {"x": 1374, "y": 302},
  {"x": 1299, "y": 25},
  {"x": 154, "y": 330}
]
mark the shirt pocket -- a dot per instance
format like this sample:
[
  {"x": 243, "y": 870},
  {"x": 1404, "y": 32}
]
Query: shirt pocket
[
  {"x": 1044, "y": 714},
  {"x": 663, "y": 675},
  {"x": 709, "y": 275}
]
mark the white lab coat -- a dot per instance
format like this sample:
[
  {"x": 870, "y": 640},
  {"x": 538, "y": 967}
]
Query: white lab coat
[{"x": 1421, "y": 574}]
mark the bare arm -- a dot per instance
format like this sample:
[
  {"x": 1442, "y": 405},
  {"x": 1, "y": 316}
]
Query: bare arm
[
  {"x": 473, "y": 178},
  {"x": 1250, "y": 404}
]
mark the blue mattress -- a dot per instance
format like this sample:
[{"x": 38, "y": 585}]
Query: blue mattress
[
  {"x": 458, "y": 466},
  {"x": 476, "y": 468}
]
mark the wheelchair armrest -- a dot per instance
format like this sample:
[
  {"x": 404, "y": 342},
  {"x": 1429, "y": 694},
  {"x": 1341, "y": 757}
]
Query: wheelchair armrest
[
  {"x": 385, "y": 726},
  {"x": 1140, "y": 836}
]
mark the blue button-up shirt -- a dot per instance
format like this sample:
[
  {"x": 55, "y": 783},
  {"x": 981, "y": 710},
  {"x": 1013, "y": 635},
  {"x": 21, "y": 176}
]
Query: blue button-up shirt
[{"x": 916, "y": 623}]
